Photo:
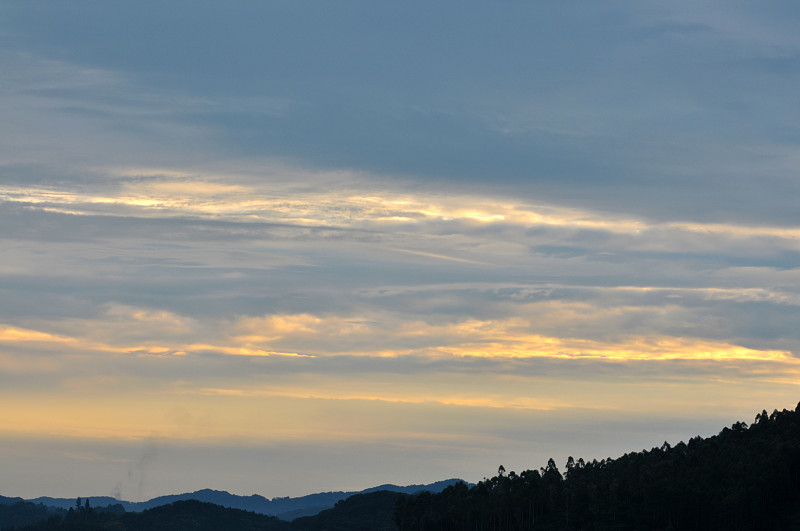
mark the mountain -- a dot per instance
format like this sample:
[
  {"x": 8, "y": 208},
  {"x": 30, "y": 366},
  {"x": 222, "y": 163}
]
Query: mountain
[
  {"x": 414, "y": 489},
  {"x": 362, "y": 512},
  {"x": 285, "y": 508},
  {"x": 67, "y": 503}
]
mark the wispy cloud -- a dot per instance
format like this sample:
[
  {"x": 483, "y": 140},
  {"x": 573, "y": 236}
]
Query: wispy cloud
[{"x": 432, "y": 239}]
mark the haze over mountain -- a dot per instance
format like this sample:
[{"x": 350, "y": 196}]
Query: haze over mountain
[{"x": 286, "y": 508}]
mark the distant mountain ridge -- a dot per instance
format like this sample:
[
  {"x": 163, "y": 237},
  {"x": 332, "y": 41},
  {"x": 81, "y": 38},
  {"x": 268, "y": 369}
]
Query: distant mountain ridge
[{"x": 286, "y": 508}]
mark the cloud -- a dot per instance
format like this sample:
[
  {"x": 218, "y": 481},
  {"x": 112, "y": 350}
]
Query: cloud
[
  {"x": 449, "y": 236},
  {"x": 12, "y": 334},
  {"x": 392, "y": 213}
]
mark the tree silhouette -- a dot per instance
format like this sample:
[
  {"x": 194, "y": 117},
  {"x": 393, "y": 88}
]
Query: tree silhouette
[{"x": 744, "y": 478}]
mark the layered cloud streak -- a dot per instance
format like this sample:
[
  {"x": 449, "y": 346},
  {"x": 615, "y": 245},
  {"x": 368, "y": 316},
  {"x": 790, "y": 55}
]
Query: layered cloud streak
[{"x": 350, "y": 283}]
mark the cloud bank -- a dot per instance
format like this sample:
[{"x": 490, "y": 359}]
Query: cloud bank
[{"x": 308, "y": 234}]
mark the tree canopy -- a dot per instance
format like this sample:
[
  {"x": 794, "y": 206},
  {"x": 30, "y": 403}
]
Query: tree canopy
[{"x": 744, "y": 478}]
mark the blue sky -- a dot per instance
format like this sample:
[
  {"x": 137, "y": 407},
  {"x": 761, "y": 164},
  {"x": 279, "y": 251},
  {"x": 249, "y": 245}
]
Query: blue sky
[{"x": 298, "y": 246}]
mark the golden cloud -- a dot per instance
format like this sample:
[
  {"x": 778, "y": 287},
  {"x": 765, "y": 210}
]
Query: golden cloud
[
  {"x": 307, "y": 335},
  {"x": 166, "y": 192}
]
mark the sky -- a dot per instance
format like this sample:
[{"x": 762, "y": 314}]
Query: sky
[{"x": 299, "y": 246}]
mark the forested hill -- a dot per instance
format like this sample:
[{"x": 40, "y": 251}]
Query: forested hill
[{"x": 745, "y": 478}]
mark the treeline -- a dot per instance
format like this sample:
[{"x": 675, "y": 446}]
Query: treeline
[
  {"x": 183, "y": 515},
  {"x": 17, "y": 513},
  {"x": 745, "y": 478}
]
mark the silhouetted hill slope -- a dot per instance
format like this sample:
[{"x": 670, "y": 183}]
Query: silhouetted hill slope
[
  {"x": 186, "y": 515},
  {"x": 362, "y": 512},
  {"x": 745, "y": 478},
  {"x": 192, "y": 515}
]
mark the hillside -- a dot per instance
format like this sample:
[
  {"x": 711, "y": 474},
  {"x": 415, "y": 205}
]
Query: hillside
[
  {"x": 744, "y": 478},
  {"x": 362, "y": 512}
]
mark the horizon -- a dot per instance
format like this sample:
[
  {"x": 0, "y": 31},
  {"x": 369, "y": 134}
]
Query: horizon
[
  {"x": 303, "y": 247},
  {"x": 92, "y": 497}
]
